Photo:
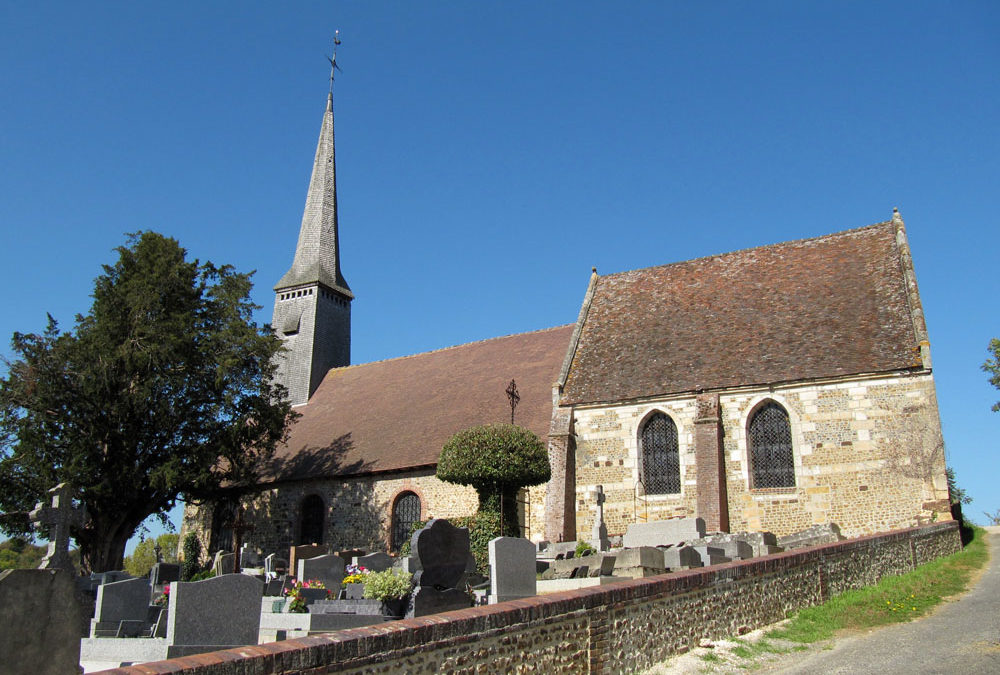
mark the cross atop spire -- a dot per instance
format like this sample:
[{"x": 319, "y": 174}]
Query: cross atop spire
[{"x": 333, "y": 59}]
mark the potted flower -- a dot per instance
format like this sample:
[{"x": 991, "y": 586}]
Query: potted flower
[
  {"x": 353, "y": 587},
  {"x": 392, "y": 588},
  {"x": 163, "y": 599},
  {"x": 303, "y": 592}
]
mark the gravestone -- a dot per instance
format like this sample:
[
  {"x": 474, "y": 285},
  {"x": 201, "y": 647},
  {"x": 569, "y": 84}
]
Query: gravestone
[
  {"x": 59, "y": 516},
  {"x": 443, "y": 553},
  {"x": 221, "y": 612},
  {"x": 827, "y": 533},
  {"x": 645, "y": 561},
  {"x": 249, "y": 557},
  {"x": 664, "y": 532},
  {"x": 275, "y": 566},
  {"x": 328, "y": 569},
  {"x": 297, "y": 553},
  {"x": 120, "y": 601},
  {"x": 512, "y": 569},
  {"x": 375, "y": 562},
  {"x": 41, "y": 631},
  {"x": 224, "y": 563},
  {"x": 600, "y": 531},
  {"x": 711, "y": 555},
  {"x": 163, "y": 573},
  {"x": 681, "y": 557}
]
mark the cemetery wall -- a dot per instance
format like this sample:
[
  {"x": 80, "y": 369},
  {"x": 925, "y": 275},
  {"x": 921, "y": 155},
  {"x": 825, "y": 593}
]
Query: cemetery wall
[
  {"x": 618, "y": 628},
  {"x": 868, "y": 456}
]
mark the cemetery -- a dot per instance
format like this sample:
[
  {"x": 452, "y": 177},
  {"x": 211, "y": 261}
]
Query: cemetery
[{"x": 149, "y": 619}]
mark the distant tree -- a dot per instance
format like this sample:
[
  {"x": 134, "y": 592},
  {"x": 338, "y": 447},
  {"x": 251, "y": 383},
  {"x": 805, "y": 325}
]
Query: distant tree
[
  {"x": 16, "y": 553},
  {"x": 957, "y": 494},
  {"x": 992, "y": 367},
  {"x": 162, "y": 391},
  {"x": 497, "y": 460},
  {"x": 144, "y": 556}
]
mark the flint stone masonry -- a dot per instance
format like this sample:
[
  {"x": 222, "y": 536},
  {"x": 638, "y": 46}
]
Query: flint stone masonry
[
  {"x": 664, "y": 532},
  {"x": 41, "y": 622},
  {"x": 618, "y": 628}
]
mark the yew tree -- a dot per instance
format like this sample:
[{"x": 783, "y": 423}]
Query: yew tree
[
  {"x": 497, "y": 460},
  {"x": 162, "y": 391}
]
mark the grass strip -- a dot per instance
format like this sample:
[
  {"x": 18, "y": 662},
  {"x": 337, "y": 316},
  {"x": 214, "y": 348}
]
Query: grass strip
[{"x": 892, "y": 600}]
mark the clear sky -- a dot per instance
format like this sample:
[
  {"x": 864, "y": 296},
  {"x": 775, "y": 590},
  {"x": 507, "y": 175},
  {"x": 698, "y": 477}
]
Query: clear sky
[{"x": 490, "y": 153}]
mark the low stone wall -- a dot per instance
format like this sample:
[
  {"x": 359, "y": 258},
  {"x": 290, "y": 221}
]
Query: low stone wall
[{"x": 618, "y": 628}]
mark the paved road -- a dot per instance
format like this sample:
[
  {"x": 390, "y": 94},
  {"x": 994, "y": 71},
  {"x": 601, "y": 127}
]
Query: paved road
[{"x": 961, "y": 637}]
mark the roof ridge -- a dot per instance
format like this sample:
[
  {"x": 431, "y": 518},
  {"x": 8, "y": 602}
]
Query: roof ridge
[
  {"x": 852, "y": 231},
  {"x": 450, "y": 347}
]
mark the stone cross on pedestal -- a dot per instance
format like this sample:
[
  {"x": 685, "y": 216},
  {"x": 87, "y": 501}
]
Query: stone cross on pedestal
[
  {"x": 600, "y": 532},
  {"x": 59, "y": 517}
]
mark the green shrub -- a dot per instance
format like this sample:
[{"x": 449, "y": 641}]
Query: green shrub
[
  {"x": 497, "y": 460},
  {"x": 192, "y": 556},
  {"x": 204, "y": 574},
  {"x": 583, "y": 548},
  {"x": 388, "y": 585}
]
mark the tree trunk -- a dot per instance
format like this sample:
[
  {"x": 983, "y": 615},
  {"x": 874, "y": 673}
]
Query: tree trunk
[
  {"x": 503, "y": 501},
  {"x": 102, "y": 547}
]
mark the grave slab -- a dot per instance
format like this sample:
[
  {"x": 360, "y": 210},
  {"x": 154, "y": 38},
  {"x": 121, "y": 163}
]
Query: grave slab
[
  {"x": 664, "y": 532},
  {"x": 512, "y": 569},
  {"x": 41, "y": 634}
]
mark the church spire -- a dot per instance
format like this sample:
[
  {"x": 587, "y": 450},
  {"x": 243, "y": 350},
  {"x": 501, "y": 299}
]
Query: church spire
[
  {"x": 312, "y": 305},
  {"x": 317, "y": 255}
]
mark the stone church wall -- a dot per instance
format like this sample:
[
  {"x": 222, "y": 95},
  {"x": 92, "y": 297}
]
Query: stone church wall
[
  {"x": 868, "y": 456},
  {"x": 358, "y": 510}
]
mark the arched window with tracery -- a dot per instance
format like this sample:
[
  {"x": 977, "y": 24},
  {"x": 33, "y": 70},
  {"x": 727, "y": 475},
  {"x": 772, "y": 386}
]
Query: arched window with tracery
[
  {"x": 405, "y": 512},
  {"x": 661, "y": 464},
  {"x": 769, "y": 436},
  {"x": 312, "y": 520}
]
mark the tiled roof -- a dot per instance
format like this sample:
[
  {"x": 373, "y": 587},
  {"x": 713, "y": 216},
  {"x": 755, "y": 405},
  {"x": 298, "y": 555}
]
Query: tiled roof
[
  {"x": 397, "y": 414},
  {"x": 831, "y": 306}
]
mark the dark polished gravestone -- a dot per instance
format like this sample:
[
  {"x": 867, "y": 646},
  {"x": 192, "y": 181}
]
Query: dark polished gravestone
[{"x": 443, "y": 552}]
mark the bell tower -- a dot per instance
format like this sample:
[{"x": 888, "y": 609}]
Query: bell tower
[{"x": 312, "y": 304}]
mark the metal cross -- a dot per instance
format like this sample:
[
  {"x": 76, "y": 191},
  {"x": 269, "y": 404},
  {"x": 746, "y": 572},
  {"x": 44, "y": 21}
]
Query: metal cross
[
  {"x": 333, "y": 59},
  {"x": 513, "y": 397},
  {"x": 59, "y": 517}
]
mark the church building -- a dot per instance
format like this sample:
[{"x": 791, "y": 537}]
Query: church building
[{"x": 768, "y": 389}]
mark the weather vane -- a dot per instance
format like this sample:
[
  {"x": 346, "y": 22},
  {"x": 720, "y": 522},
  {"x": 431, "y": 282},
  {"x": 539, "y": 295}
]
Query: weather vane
[
  {"x": 514, "y": 398},
  {"x": 333, "y": 59}
]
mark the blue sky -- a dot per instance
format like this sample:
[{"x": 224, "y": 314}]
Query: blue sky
[{"x": 490, "y": 153}]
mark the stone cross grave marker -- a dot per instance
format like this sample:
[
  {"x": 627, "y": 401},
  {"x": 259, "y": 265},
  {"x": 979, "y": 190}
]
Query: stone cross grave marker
[
  {"x": 59, "y": 517},
  {"x": 600, "y": 532}
]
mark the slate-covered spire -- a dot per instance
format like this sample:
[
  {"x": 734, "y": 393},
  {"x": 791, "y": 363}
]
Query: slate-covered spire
[{"x": 317, "y": 255}]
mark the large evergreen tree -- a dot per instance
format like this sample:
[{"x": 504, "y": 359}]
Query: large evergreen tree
[{"x": 163, "y": 390}]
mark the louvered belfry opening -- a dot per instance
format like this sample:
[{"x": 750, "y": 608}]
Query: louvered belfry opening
[
  {"x": 661, "y": 467},
  {"x": 771, "y": 456}
]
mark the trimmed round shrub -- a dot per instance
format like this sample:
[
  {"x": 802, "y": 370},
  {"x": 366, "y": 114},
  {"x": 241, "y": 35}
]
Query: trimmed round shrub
[{"x": 497, "y": 460}]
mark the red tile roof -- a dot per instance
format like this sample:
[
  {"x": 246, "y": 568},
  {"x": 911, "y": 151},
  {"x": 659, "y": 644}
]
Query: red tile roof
[
  {"x": 831, "y": 306},
  {"x": 397, "y": 414}
]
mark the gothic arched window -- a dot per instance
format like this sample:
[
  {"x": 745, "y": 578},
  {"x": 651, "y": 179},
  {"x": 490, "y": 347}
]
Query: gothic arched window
[
  {"x": 312, "y": 520},
  {"x": 661, "y": 464},
  {"x": 405, "y": 512},
  {"x": 770, "y": 446}
]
